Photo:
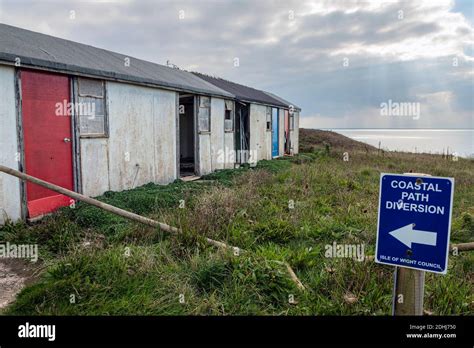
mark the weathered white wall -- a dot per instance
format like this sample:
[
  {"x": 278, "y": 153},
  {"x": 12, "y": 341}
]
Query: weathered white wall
[
  {"x": 94, "y": 166},
  {"x": 217, "y": 134},
  {"x": 297, "y": 132},
  {"x": 10, "y": 202},
  {"x": 141, "y": 143},
  {"x": 281, "y": 132},
  {"x": 228, "y": 152},
  {"x": 205, "y": 163},
  {"x": 268, "y": 143},
  {"x": 230, "y": 155},
  {"x": 214, "y": 147},
  {"x": 294, "y": 134},
  {"x": 260, "y": 138},
  {"x": 164, "y": 136}
]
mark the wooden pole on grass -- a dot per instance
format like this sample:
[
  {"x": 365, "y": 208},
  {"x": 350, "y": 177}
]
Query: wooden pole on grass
[
  {"x": 88, "y": 200},
  {"x": 131, "y": 216}
]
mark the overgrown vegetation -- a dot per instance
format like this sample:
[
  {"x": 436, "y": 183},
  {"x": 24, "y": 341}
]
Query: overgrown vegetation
[{"x": 286, "y": 209}]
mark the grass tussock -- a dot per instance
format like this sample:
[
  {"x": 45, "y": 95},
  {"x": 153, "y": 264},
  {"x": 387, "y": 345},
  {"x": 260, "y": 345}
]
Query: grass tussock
[{"x": 286, "y": 210}]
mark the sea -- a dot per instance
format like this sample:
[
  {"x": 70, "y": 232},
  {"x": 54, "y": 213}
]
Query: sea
[{"x": 458, "y": 142}]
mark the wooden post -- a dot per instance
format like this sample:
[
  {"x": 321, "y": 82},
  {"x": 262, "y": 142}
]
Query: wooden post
[
  {"x": 408, "y": 291},
  {"x": 409, "y": 287}
]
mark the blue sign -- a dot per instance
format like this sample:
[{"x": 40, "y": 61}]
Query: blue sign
[{"x": 414, "y": 221}]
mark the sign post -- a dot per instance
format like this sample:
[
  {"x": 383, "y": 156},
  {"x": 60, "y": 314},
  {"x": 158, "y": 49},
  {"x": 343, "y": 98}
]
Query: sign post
[{"x": 413, "y": 232}]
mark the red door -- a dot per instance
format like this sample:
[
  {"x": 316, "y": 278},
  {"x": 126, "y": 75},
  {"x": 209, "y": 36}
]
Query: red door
[{"x": 47, "y": 139}]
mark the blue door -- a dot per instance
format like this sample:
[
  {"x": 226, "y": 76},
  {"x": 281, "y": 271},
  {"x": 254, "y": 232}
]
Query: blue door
[{"x": 274, "y": 132}]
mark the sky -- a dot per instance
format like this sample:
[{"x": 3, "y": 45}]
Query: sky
[{"x": 341, "y": 61}]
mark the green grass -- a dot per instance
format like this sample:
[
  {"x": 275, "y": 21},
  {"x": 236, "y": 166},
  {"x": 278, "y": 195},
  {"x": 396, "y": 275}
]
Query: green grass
[{"x": 286, "y": 210}]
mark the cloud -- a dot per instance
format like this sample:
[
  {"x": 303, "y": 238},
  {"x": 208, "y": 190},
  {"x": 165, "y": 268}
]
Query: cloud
[{"x": 335, "y": 59}]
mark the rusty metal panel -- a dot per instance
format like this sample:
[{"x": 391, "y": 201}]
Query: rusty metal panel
[{"x": 10, "y": 201}]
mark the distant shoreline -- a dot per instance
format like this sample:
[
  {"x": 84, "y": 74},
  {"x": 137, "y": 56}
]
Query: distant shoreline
[{"x": 457, "y": 141}]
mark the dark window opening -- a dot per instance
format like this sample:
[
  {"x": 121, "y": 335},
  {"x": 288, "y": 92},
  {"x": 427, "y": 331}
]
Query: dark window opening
[{"x": 187, "y": 163}]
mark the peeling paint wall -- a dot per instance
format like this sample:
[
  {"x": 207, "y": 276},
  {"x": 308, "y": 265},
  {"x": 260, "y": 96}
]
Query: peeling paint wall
[
  {"x": 214, "y": 147},
  {"x": 94, "y": 166},
  {"x": 141, "y": 147},
  {"x": 205, "y": 164},
  {"x": 164, "y": 111},
  {"x": 10, "y": 202},
  {"x": 294, "y": 134},
  {"x": 297, "y": 132},
  {"x": 230, "y": 155},
  {"x": 217, "y": 134},
  {"x": 260, "y": 138},
  {"x": 281, "y": 132}
]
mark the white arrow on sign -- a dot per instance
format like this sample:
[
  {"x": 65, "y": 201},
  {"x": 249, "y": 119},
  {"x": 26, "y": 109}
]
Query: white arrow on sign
[{"x": 407, "y": 235}]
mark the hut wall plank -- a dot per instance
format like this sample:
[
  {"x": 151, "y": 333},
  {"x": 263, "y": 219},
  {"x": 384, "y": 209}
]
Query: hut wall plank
[
  {"x": 165, "y": 136},
  {"x": 260, "y": 139},
  {"x": 217, "y": 134},
  {"x": 229, "y": 145},
  {"x": 294, "y": 134},
  {"x": 94, "y": 166},
  {"x": 142, "y": 143},
  {"x": 205, "y": 164},
  {"x": 10, "y": 201},
  {"x": 281, "y": 132}
]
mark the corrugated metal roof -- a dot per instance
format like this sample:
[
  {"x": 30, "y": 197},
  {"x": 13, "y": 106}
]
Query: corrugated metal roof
[
  {"x": 283, "y": 100},
  {"x": 242, "y": 92},
  {"x": 49, "y": 52}
]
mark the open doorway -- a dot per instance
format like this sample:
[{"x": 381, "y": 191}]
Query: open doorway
[
  {"x": 187, "y": 163},
  {"x": 287, "y": 133},
  {"x": 242, "y": 132}
]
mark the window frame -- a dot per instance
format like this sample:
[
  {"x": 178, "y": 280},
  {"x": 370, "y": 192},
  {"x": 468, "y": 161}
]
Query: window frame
[
  {"x": 200, "y": 131},
  {"x": 104, "y": 98},
  {"x": 268, "y": 122},
  {"x": 232, "y": 116}
]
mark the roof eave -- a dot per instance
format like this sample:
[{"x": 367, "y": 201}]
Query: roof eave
[{"x": 39, "y": 64}]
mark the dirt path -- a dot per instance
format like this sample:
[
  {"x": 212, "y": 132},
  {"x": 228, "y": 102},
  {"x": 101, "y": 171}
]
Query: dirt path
[{"x": 14, "y": 275}]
